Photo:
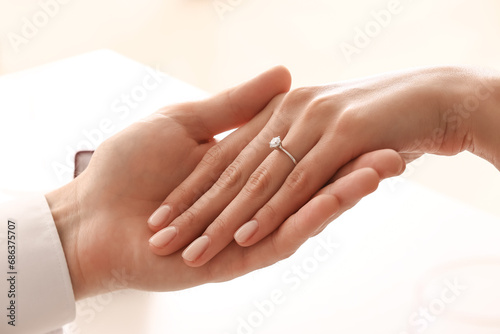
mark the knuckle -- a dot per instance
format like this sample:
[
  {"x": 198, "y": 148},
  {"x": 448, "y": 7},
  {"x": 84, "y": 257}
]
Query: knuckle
[
  {"x": 179, "y": 198},
  {"x": 283, "y": 250},
  {"x": 188, "y": 218},
  {"x": 298, "y": 180},
  {"x": 219, "y": 228},
  {"x": 299, "y": 95},
  {"x": 347, "y": 122},
  {"x": 328, "y": 106},
  {"x": 319, "y": 106},
  {"x": 214, "y": 156},
  {"x": 294, "y": 100},
  {"x": 286, "y": 254},
  {"x": 268, "y": 213},
  {"x": 230, "y": 178},
  {"x": 259, "y": 182},
  {"x": 292, "y": 104},
  {"x": 180, "y": 193}
]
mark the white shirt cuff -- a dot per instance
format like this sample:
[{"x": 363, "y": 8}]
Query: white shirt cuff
[{"x": 35, "y": 289}]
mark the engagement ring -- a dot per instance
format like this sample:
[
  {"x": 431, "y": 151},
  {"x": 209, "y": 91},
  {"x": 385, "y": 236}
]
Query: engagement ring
[{"x": 275, "y": 143}]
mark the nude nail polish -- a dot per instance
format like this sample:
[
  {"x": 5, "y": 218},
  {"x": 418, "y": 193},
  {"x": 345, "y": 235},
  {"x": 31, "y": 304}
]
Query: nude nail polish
[
  {"x": 160, "y": 216},
  {"x": 196, "y": 249},
  {"x": 162, "y": 238},
  {"x": 246, "y": 231}
]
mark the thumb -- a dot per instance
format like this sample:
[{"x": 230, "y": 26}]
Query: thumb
[{"x": 236, "y": 106}]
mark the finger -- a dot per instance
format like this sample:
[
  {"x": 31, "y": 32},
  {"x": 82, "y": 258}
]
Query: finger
[
  {"x": 410, "y": 157},
  {"x": 192, "y": 220},
  {"x": 299, "y": 227},
  {"x": 223, "y": 112},
  {"x": 345, "y": 192},
  {"x": 213, "y": 163},
  {"x": 262, "y": 184},
  {"x": 310, "y": 174},
  {"x": 236, "y": 106},
  {"x": 188, "y": 218},
  {"x": 386, "y": 163}
]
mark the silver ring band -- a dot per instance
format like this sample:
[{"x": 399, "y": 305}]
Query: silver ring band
[{"x": 275, "y": 143}]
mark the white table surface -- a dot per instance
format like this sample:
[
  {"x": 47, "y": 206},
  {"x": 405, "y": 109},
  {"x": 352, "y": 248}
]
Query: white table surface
[{"x": 393, "y": 253}]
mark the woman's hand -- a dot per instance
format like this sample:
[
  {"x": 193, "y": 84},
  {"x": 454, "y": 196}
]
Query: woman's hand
[{"x": 243, "y": 190}]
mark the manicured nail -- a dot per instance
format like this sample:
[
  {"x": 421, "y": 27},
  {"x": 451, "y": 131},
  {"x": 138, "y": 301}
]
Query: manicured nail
[
  {"x": 163, "y": 237},
  {"x": 160, "y": 215},
  {"x": 196, "y": 249},
  {"x": 246, "y": 231}
]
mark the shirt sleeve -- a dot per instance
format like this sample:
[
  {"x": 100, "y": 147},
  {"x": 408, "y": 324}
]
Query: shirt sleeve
[{"x": 36, "y": 291}]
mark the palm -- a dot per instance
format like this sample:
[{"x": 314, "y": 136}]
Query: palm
[
  {"x": 140, "y": 176},
  {"x": 135, "y": 187}
]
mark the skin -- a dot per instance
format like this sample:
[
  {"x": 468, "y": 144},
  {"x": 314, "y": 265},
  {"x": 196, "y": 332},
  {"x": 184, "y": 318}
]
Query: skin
[
  {"x": 101, "y": 215},
  {"x": 442, "y": 110}
]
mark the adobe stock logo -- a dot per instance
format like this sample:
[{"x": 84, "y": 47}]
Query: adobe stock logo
[
  {"x": 30, "y": 27},
  {"x": 122, "y": 107},
  {"x": 420, "y": 320},
  {"x": 363, "y": 36},
  {"x": 292, "y": 280}
]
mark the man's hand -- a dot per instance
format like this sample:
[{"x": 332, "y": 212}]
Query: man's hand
[{"x": 101, "y": 216}]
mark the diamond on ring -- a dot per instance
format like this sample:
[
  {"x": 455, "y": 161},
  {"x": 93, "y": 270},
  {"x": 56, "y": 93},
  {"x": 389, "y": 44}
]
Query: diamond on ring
[{"x": 275, "y": 142}]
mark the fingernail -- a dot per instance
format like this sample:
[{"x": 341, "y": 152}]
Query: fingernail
[
  {"x": 163, "y": 237},
  {"x": 160, "y": 215},
  {"x": 246, "y": 231},
  {"x": 196, "y": 249}
]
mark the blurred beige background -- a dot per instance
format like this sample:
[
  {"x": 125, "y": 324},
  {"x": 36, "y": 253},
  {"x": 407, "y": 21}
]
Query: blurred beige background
[{"x": 214, "y": 44}]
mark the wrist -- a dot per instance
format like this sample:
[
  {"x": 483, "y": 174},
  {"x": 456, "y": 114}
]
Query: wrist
[
  {"x": 469, "y": 111},
  {"x": 485, "y": 120},
  {"x": 65, "y": 209}
]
